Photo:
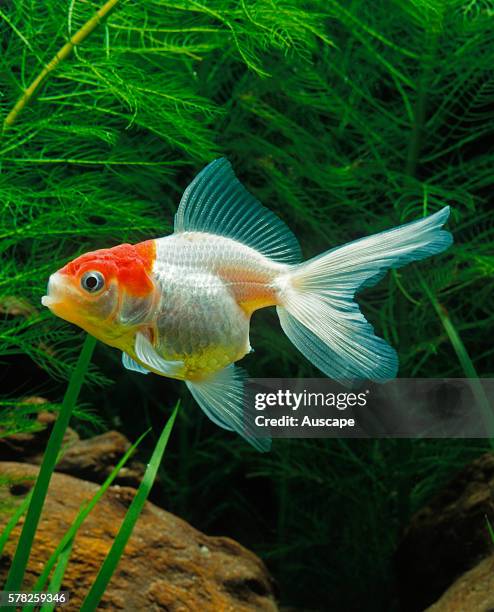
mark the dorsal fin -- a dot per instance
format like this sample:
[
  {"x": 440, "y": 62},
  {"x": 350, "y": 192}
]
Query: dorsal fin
[{"x": 216, "y": 202}]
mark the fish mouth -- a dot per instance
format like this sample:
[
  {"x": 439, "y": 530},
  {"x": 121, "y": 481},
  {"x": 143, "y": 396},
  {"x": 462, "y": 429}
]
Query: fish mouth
[
  {"x": 54, "y": 292},
  {"x": 48, "y": 301}
]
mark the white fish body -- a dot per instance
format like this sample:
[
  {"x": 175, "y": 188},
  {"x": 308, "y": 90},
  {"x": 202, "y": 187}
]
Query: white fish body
[
  {"x": 210, "y": 286},
  {"x": 180, "y": 306}
]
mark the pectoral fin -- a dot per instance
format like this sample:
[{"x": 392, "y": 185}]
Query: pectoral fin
[
  {"x": 132, "y": 365},
  {"x": 221, "y": 399},
  {"x": 146, "y": 353}
]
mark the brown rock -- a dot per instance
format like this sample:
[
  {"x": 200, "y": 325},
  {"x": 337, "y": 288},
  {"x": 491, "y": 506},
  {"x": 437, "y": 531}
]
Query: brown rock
[
  {"x": 26, "y": 446},
  {"x": 448, "y": 537},
  {"x": 473, "y": 592},
  {"x": 92, "y": 459},
  {"x": 167, "y": 564}
]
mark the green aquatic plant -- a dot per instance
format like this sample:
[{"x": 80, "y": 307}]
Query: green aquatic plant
[
  {"x": 61, "y": 554},
  {"x": 109, "y": 566},
  {"x": 490, "y": 529},
  {"x": 60, "y": 557},
  {"x": 8, "y": 507},
  {"x": 346, "y": 118},
  {"x": 21, "y": 557}
]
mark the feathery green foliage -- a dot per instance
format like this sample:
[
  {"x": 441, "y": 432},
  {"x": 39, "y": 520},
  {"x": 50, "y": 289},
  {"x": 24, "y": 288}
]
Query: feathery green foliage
[{"x": 346, "y": 118}]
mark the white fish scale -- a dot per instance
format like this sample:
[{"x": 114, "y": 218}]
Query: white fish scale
[
  {"x": 199, "y": 315},
  {"x": 198, "y": 250}
]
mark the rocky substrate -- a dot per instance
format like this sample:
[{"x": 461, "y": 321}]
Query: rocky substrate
[
  {"x": 167, "y": 564},
  {"x": 473, "y": 592},
  {"x": 446, "y": 554},
  {"x": 92, "y": 459}
]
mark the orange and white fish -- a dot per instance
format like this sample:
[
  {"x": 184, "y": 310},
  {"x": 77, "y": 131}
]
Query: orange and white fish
[{"x": 180, "y": 306}]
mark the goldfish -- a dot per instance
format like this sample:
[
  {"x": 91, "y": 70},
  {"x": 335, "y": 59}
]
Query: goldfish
[{"x": 180, "y": 306}]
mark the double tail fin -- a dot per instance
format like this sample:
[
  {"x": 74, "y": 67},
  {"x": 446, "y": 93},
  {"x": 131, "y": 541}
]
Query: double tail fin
[{"x": 317, "y": 310}]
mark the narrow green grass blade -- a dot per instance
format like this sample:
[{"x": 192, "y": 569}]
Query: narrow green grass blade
[
  {"x": 14, "y": 520},
  {"x": 465, "y": 361},
  {"x": 16, "y": 573},
  {"x": 58, "y": 574},
  {"x": 93, "y": 598},
  {"x": 490, "y": 529},
  {"x": 80, "y": 518}
]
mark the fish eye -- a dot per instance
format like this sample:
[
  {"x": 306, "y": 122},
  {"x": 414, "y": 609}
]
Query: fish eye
[{"x": 92, "y": 281}]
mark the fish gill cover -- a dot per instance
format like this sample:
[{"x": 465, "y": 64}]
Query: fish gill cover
[{"x": 345, "y": 118}]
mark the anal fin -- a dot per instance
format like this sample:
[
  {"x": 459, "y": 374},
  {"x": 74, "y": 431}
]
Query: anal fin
[{"x": 221, "y": 399}]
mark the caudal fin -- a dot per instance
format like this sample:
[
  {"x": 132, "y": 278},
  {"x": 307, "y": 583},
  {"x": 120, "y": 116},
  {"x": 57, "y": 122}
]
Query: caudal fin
[{"x": 318, "y": 312}]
